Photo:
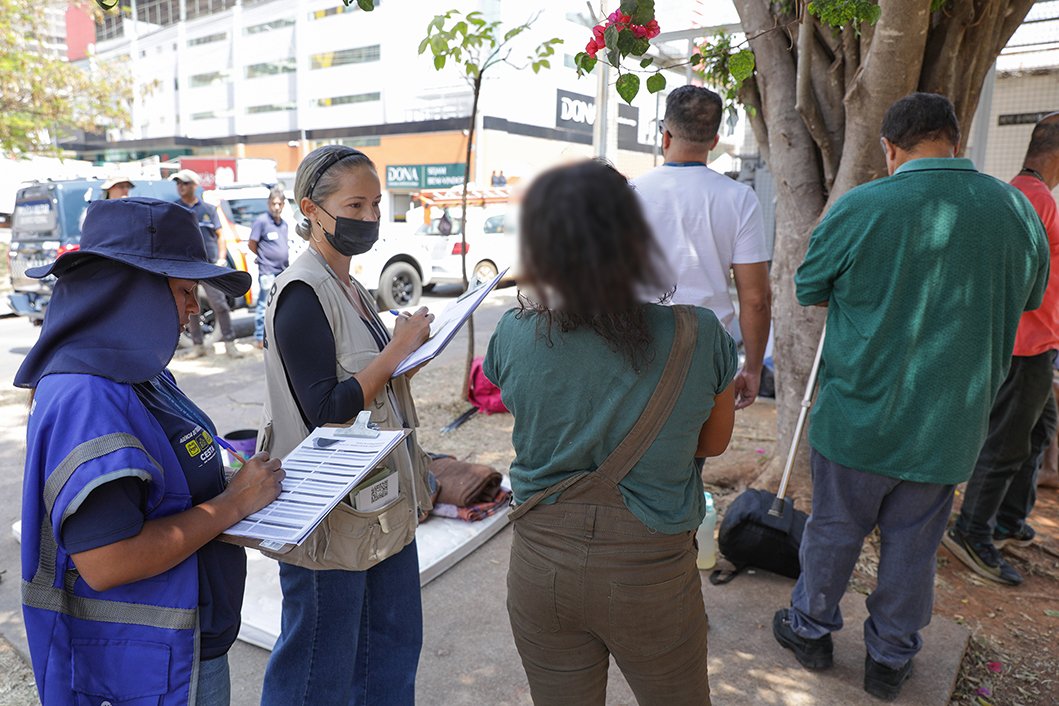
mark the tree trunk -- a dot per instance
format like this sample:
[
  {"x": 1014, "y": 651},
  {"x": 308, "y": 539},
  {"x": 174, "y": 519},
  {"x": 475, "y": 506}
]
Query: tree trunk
[
  {"x": 909, "y": 49},
  {"x": 477, "y": 87},
  {"x": 796, "y": 168}
]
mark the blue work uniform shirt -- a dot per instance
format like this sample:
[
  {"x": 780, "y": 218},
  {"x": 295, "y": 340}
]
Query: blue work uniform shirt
[
  {"x": 209, "y": 224},
  {"x": 272, "y": 248}
]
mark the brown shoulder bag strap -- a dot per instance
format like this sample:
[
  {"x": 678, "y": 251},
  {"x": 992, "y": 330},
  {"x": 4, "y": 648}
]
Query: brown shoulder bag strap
[{"x": 654, "y": 416}]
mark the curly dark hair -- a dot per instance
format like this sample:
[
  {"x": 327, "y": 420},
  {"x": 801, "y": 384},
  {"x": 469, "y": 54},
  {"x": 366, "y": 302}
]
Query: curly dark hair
[{"x": 589, "y": 256}]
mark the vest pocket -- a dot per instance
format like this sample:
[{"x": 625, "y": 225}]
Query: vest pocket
[
  {"x": 119, "y": 672},
  {"x": 359, "y": 540}
]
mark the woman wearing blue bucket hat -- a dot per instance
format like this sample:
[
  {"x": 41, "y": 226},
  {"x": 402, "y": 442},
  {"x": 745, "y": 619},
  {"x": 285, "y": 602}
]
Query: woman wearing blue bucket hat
[{"x": 127, "y": 597}]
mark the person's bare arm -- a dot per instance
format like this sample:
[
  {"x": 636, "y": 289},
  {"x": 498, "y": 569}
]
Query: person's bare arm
[
  {"x": 409, "y": 332},
  {"x": 717, "y": 431},
  {"x": 222, "y": 246},
  {"x": 755, "y": 319},
  {"x": 252, "y": 244},
  {"x": 167, "y": 541}
]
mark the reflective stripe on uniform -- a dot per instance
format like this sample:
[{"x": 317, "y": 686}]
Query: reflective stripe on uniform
[
  {"x": 40, "y": 592},
  {"x": 84, "y": 452},
  {"x": 59, "y": 601}
]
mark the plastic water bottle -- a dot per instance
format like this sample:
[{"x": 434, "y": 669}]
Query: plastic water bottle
[{"x": 704, "y": 536}]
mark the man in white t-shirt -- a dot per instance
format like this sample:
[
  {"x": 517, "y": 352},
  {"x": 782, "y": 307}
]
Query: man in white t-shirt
[{"x": 709, "y": 225}]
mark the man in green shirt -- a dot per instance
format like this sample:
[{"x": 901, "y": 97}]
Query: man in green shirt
[{"x": 925, "y": 275}]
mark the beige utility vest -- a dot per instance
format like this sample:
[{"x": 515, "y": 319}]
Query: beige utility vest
[{"x": 346, "y": 539}]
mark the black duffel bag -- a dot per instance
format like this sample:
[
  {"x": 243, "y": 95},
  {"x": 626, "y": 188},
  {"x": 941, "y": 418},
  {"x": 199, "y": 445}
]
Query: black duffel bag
[{"x": 751, "y": 537}]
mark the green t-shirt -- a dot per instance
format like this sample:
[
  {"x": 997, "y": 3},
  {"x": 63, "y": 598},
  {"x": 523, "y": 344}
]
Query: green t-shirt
[
  {"x": 574, "y": 399},
  {"x": 925, "y": 274}
]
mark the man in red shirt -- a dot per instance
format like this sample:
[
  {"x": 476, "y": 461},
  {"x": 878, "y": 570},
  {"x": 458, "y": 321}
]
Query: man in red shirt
[{"x": 1002, "y": 490}]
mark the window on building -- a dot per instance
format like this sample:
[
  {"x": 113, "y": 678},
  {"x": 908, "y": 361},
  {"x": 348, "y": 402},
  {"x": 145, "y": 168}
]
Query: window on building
[
  {"x": 346, "y": 100},
  {"x": 203, "y": 80},
  {"x": 202, "y": 8},
  {"x": 271, "y": 108},
  {"x": 351, "y": 142},
  {"x": 337, "y": 10},
  {"x": 208, "y": 39},
  {"x": 359, "y": 55},
  {"x": 269, "y": 26},
  {"x": 208, "y": 115},
  {"x": 568, "y": 61},
  {"x": 271, "y": 68}
]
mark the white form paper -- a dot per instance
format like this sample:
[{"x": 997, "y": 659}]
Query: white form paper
[
  {"x": 317, "y": 479},
  {"x": 446, "y": 324}
]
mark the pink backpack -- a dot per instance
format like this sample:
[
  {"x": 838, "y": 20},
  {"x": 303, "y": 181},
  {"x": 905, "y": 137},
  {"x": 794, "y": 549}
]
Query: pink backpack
[{"x": 482, "y": 393}]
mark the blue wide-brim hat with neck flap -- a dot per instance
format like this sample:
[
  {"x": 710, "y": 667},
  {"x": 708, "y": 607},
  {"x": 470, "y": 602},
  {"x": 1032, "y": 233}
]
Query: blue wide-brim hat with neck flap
[
  {"x": 156, "y": 236},
  {"x": 112, "y": 313}
]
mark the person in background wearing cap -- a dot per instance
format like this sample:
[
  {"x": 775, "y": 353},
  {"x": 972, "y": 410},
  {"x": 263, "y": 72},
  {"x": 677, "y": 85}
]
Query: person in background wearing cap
[
  {"x": 209, "y": 222},
  {"x": 117, "y": 187},
  {"x": 127, "y": 596}
]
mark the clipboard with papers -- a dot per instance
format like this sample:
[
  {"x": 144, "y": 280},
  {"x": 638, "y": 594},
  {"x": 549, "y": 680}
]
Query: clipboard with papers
[
  {"x": 447, "y": 324},
  {"x": 320, "y": 472}
]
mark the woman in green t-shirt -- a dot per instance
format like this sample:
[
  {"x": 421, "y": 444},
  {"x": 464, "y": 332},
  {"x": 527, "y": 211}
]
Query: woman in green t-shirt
[{"x": 603, "y": 558}]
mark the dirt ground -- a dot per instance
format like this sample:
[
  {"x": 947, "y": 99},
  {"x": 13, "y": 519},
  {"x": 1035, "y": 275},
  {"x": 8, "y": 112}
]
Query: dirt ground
[{"x": 1013, "y": 658}]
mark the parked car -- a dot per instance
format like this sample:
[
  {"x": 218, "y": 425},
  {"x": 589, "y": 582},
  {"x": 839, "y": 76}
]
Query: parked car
[
  {"x": 492, "y": 245},
  {"x": 394, "y": 270},
  {"x": 47, "y": 223}
]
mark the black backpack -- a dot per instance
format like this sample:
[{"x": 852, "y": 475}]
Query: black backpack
[{"x": 750, "y": 536}]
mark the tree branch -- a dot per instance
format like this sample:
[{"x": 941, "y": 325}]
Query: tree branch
[
  {"x": 946, "y": 37},
  {"x": 890, "y": 70},
  {"x": 792, "y": 154},
  {"x": 850, "y": 57},
  {"x": 750, "y": 96},
  {"x": 1014, "y": 14},
  {"x": 809, "y": 108},
  {"x": 828, "y": 83}
]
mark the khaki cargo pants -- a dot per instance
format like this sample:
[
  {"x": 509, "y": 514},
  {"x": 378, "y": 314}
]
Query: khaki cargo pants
[{"x": 588, "y": 580}]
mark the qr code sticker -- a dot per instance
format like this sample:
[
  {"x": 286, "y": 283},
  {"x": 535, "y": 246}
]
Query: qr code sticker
[{"x": 380, "y": 490}]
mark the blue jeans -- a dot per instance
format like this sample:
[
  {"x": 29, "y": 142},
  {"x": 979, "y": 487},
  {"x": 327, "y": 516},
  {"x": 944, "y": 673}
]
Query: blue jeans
[
  {"x": 847, "y": 505},
  {"x": 348, "y": 637},
  {"x": 264, "y": 285},
  {"x": 1003, "y": 488},
  {"x": 215, "y": 683}
]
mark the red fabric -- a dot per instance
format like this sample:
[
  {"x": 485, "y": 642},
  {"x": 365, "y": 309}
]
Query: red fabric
[
  {"x": 483, "y": 394},
  {"x": 1039, "y": 329}
]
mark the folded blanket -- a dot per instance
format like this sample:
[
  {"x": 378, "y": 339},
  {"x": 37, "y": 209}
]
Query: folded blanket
[
  {"x": 464, "y": 484},
  {"x": 477, "y": 512}
]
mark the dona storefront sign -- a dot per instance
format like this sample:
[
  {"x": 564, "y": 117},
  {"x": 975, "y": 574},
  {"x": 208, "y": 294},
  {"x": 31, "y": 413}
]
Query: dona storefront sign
[
  {"x": 424, "y": 176},
  {"x": 577, "y": 112}
]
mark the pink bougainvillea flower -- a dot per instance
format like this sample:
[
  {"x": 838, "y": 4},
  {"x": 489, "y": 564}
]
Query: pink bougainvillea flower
[
  {"x": 983, "y": 691},
  {"x": 598, "y": 31},
  {"x": 639, "y": 30},
  {"x": 994, "y": 667},
  {"x": 591, "y": 48},
  {"x": 652, "y": 29}
]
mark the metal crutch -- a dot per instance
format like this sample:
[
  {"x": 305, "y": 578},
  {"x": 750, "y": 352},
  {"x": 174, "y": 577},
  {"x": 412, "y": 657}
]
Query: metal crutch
[{"x": 807, "y": 401}]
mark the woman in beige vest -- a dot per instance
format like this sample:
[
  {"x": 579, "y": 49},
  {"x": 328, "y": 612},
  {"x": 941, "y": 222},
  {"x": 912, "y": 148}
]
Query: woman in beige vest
[{"x": 352, "y": 618}]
